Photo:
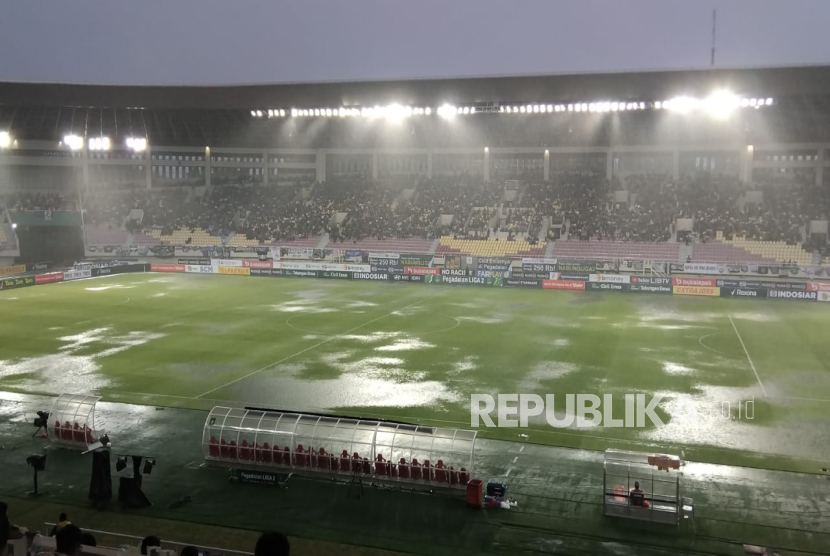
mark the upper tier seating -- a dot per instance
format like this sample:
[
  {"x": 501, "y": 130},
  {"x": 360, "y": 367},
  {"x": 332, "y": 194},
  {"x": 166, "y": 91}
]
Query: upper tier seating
[
  {"x": 490, "y": 247},
  {"x": 603, "y": 249}
]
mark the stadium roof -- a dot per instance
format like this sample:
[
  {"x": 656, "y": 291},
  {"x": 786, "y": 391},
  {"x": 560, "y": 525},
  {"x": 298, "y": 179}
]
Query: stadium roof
[{"x": 776, "y": 82}]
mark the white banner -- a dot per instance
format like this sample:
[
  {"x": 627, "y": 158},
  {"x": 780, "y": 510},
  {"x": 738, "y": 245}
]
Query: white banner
[
  {"x": 824, "y": 296},
  {"x": 612, "y": 278},
  {"x": 77, "y": 274},
  {"x": 199, "y": 269},
  {"x": 394, "y": 256},
  {"x": 323, "y": 266},
  {"x": 227, "y": 262},
  {"x": 704, "y": 268},
  {"x": 526, "y": 260}
]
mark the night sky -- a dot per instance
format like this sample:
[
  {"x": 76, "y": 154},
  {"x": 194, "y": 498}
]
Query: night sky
[{"x": 261, "y": 41}]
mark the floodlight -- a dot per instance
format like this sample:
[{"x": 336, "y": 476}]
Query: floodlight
[
  {"x": 682, "y": 105},
  {"x": 721, "y": 104},
  {"x": 570, "y": 108},
  {"x": 536, "y": 108},
  {"x": 14, "y": 225},
  {"x": 253, "y": 113},
  {"x": 74, "y": 142},
  {"x": 753, "y": 101},
  {"x": 522, "y": 109},
  {"x": 5, "y": 139},
  {"x": 769, "y": 101},
  {"x": 658, "y": 105},
  {"x": 259, "y": 113},
  {"x": 550, "y": 108},
  {"x": 282, "y": 113},
  {"x": 447, "y": 111},
  {"x": 428, "y": 110}
]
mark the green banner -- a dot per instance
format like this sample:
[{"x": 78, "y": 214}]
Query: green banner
[
  {"x": 468, "y": 280},
  {"x": 9, "y": 283},
  {"x": 267, "y": 478}
]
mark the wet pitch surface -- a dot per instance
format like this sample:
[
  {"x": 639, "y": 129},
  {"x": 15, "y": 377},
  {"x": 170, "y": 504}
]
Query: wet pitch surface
[
  {"x": 559, "y": 491},
  {"x": 417, "y": 353}
]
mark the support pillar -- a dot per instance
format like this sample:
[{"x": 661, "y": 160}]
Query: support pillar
[
  {"x": 609, "y": 165},
  {"x": 486, "y": 164},
  {"x": 148, "y": 168},
  {"x": 320, "y": 163},
  {"x": 207, "y": 167},
  {"x": 546, "y": 171},
  {"x": 266, "y": 168}
]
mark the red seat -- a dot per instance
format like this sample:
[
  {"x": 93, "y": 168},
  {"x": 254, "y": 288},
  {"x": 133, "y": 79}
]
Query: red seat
[
  {"x": 67, "y": 431},
  {"x": 403, "y": 469},
  {"x": 415, "y": 470},
  {"x": 213, "y": 449},
  {"x": 263, "y": 453},
  {"x": 232, "y": 453},
  {"x": 380, "y": 466},
  {"x": 245, "y": 451},
  {"x": 286, "y": 456},
  {"x": 89, "y": 437},
  {"x": 300, "y": 458},
  {"x": 366, "y": 466},
  {"x": 224, "y": 449},
  {"x": 345, "y": 462},
  {"x": 440, "y": 472},
  {"x": 323, "y": 459},
  {"x": 427, "y": 471},
  {"x": 334, "y": 462},
  {"x": 463, "y": 476}
]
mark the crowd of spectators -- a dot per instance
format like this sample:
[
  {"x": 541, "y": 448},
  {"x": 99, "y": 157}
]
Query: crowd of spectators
[
  {"x": 38, "y": 201},
  {"x": 584, "y": 205},
  {"x": 69, "y": 540}
]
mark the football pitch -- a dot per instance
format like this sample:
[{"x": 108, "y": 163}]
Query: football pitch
[{"x": 417, "y": 353}]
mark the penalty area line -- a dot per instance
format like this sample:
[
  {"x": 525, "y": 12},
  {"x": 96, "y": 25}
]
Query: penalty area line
[
  {"x": 318, "y": 344},
  {"x": 748, "y": 358}
]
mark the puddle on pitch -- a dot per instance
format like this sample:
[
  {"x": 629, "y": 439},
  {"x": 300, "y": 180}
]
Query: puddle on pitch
[
  {"x": 406, "y": 345},
  {"x": 109, "y": 287},
  {"x": 67, "y": 371},
  {"x": 545, "y": 370},
  {"x": 368, "y": 382}
]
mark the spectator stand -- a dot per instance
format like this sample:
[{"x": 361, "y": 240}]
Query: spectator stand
[
  {"x": 658, "y": 498},
  {"x": 72, "y": 421},
  {"x": 403, "y": 455}
]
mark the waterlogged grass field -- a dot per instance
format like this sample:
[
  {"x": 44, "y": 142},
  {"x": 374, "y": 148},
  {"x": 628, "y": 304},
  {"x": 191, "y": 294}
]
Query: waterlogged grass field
[{"x": 418, "y": 352}]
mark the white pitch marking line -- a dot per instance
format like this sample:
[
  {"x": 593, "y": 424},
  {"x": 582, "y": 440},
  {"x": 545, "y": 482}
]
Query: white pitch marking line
[
  {"x": 302, "y": 351},
  {"x": 748, "y": 358},
  {"x": 514, "y": 459},
  {"x": 522, "y": 449},
  {"x": 508, "y": 472}
]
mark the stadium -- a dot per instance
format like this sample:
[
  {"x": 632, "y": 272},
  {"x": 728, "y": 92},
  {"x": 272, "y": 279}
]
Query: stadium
[{"x": 619, "y": 236}]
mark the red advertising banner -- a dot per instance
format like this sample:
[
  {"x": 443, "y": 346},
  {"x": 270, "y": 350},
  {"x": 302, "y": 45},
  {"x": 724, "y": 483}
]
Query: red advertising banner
[
  {"x": 49, "y": 277},
  {"x": 700, "y": 282},
  {"x": 818, "y": 286},
  {"x": 258, "y": 264},
  {"x": 563, "y": 285},
  {"x": 158, "y": 267},
  {"x": 422, "y": 270}
]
